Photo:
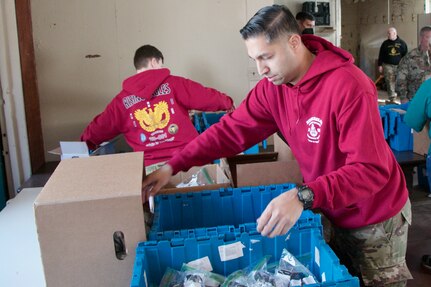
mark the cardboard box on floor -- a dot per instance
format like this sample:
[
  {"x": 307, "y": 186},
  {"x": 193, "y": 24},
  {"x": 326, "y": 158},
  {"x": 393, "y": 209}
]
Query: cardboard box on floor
[
  {"x": 83, "y": 206},
  {"x": 214, "y": 171},
  {"x": 285, "y": 169}
]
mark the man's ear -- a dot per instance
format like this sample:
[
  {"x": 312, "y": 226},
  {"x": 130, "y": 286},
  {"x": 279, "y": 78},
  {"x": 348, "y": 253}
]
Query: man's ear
[
  {"x": 295, "y": 41},
  {"x": 153, "y": 63}
]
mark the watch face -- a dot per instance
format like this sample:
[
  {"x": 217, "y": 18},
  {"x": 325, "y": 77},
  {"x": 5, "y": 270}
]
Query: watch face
[{"x": 307, "y": 194}]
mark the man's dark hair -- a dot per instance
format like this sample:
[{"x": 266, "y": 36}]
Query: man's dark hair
[
  {"x": 425, "y": 29},
  {"x": 144, "y": 54},
  {"x": 271, "y": 21},
  {"x": 302, "y": 16}
]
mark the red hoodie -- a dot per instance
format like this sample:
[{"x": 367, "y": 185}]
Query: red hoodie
[
  {"x": 152, "y": 113},
  {"x": 331, "y": 121}
]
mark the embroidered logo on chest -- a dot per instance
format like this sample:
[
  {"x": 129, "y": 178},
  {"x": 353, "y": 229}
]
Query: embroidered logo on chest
[{"x": 313, "y": 131}]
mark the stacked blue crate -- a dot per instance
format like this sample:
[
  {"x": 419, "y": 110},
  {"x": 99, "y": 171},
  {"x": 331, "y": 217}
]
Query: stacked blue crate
[
  {"x": 307, "y": 245},
  {"x": 202, "y": 209},
  {"x": 399, "y": 135},
  {"x": 190, "y": 226}
]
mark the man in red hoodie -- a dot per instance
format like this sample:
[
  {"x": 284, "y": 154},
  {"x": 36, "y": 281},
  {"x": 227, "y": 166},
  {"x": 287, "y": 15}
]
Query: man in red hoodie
[
  {"x": 152, "y": 110},
  {"x": 326, "y": 109}
]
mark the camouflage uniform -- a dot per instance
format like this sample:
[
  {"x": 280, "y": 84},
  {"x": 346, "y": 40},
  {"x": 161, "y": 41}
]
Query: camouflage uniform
[
  {"x": 413, "y": 69},
  {"x": 390, "y": 73},
  {"x": 376, "y": 253}
]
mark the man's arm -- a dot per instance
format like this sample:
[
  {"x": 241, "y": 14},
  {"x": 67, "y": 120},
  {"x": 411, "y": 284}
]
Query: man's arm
[
  {"x": 195, "y": 96},
  {"x": 404, "y": 48},
  {"x": 102, "y": 128},
  {"x": 419, "y": 110},
  {"x": 381, "y": 56}
]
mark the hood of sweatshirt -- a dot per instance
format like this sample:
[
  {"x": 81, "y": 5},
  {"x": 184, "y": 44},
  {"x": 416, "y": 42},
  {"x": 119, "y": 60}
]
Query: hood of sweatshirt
[
  {"x": 328, "y": 57},
  {"x": 144, "y": 84}
]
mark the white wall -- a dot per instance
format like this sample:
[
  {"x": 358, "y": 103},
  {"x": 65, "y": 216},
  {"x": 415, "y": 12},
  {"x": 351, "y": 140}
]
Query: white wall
[{"x": 199, "y": 38}]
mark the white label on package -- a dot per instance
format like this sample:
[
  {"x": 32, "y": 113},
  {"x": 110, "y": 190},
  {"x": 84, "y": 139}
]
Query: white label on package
[
  {"x": 231, "y": 251},
  {"x": 317, "y": 256},
  {"x": 201, "y": 264}
]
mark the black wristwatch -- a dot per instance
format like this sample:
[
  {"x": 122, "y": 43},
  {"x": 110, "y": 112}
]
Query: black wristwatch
[{"x": 306, "y": 196}]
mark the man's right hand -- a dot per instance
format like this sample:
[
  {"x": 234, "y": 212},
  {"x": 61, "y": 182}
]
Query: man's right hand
[
  {"x": 155, "y": 181},
  {"x": 380, "y": 69}
]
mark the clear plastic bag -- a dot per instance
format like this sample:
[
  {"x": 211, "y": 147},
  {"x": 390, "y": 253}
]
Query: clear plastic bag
[
  {"x": 172, "y": 278},
  {"x": 200, "y": 278},
  {"x": 289, "y": 268},
  {"x": 199, "y": 178}
]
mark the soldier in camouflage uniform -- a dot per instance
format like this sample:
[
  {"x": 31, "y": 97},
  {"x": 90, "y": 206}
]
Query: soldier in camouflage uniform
[{"x": 415, "y": 67}]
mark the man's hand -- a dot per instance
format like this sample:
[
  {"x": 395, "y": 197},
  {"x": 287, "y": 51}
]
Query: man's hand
[
  {"x": 155, "y": 181},
  {"x": 280, "y": 214},
  {"x": 380, "y": 69}
]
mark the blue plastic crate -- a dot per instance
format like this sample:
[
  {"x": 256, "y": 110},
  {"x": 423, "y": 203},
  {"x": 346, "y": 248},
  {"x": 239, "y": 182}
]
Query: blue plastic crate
[
  {"x": 153, "y": 257},
  {"x": 226, "y": 206},
  {"x": 401, "y": 137},
  {"x": 197, "y": 122},
  {"x": 308, "y": 219},
  {"x": 397, "y": 133},
  {"x": 211, "y": 118},
  {"x": 385, "y": 121}
]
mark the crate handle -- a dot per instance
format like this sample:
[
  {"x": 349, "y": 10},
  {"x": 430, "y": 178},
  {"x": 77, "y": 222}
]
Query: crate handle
[{"x": 119, "y": 245}]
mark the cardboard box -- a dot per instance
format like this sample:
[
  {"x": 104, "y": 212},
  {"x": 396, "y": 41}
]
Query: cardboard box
[
  {"x": 285, "y": 169},
  {"x": 83, "y": 206},
  {"x": 265, "y": 173},
  {"x": 421, "y": 141},
  {"x": 216, "y": 173}
]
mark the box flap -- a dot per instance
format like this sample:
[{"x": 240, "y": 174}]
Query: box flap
[
  {"x": 214, "y": 171},
  {"x": 72, "y": 178},
  {"x": 73, "y": 150}
]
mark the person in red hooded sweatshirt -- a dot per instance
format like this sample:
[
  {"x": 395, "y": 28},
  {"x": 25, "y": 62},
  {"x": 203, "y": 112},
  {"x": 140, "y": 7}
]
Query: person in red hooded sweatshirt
[
  {"x": 152, "y": 110},
  {"x": 326, "y": 109}
]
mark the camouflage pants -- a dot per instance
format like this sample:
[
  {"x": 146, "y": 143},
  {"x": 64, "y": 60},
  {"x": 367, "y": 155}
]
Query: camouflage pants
[
  {"x": 390, "y": 73},
  {"x": 376, "y": 253}
]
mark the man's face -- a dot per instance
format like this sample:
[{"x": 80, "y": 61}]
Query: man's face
[
  {"x": 392, "y": 34},
  {"x": 277, "y": 60},
  {"x": 425, "y": 38},
  {"x": 308, "y": 23}
]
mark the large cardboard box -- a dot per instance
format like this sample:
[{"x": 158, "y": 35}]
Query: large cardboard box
[
  {"x": 215, "y": 172},
  {"x": 87, "y": 203}
]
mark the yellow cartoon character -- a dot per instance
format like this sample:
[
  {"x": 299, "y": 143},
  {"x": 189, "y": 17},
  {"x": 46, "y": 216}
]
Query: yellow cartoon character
[{"x": 153, "y": 119}]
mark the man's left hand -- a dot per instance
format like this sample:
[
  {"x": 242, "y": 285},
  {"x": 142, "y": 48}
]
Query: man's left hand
[{"x": 280, "y": 214}]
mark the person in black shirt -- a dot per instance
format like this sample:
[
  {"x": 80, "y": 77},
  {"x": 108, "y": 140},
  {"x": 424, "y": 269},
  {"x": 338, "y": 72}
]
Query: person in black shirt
[{"x": 391, "y": 52}]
